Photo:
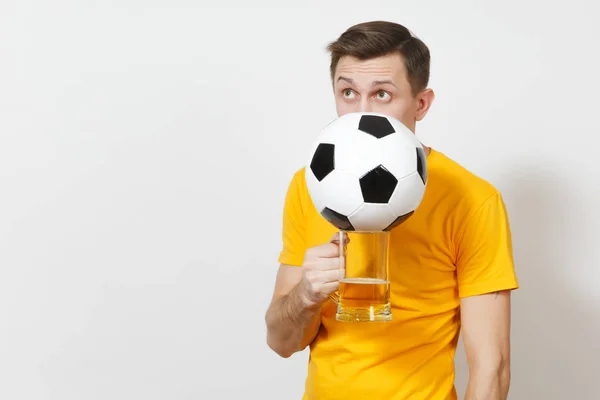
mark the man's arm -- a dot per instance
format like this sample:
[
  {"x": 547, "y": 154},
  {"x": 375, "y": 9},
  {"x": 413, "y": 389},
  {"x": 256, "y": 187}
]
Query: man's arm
[
  {"x": 485, "y": 323},
  {"x": 292, "y": 322},
  {"x": 293, "y": 318}
]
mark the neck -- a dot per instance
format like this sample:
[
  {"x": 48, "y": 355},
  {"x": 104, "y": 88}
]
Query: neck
[{"x": 427, "y": 149}]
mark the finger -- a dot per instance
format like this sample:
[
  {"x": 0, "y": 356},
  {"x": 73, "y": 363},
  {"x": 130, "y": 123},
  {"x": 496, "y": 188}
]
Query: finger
[
  {"x": 329, "y": 263},
  {"x": 331, "y": 287},
  {"x": 336, "y": 238},
  {"x": 333, "y": 275},
  {"x": 328, "y": 250}
]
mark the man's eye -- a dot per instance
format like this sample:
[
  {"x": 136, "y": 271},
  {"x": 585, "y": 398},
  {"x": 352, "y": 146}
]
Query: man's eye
[
  {"x": 382, "y": 94},
  {"x": 347, "y": 92}
]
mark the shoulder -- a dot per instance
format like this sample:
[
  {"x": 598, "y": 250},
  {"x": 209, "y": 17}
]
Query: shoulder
[
  {"x": 297, "y": 182},
  {"x": 297, "y": 197},
  {"x": 299, "y": 177},
  {"x": 465, "y": 190}
]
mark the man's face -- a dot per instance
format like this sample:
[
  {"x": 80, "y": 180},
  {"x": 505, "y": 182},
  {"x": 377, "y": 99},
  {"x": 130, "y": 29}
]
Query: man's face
[{"x": 378, "y": 85}]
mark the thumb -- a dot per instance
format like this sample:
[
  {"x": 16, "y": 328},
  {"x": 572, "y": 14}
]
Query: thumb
[{"x": 336, "y": 238}]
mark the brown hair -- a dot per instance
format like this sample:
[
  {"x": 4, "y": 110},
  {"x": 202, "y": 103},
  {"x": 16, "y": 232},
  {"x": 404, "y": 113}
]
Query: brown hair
[{"x": 380, "y": 38}]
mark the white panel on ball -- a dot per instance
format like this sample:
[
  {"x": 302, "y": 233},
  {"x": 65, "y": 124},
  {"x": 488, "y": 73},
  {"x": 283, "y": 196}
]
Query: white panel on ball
[
  {"x": 394, "y": 157},
  {"x": 372, "y": 217},
  {"x": 358, "y": 153},
  {"x": 408, "y": 194},
  {"x": 344, "y": 195}
]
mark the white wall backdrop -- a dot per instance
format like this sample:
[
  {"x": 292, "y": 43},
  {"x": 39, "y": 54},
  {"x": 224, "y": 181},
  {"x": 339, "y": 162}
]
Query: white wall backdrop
[{"x": 145, "y": 149}]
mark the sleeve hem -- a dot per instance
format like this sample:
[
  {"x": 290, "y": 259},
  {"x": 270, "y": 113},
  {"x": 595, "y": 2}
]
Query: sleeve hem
[
  {"x": 484, "y": 288},
  {"x": 289, "y": 259}
]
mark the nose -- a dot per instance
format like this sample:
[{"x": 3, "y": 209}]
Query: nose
[{"x": 365, "y": 106}]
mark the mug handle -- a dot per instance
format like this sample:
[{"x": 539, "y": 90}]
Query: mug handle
[{"x": 335, "y": 297}]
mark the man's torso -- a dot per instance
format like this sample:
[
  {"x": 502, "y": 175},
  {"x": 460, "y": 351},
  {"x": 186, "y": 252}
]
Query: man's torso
[{"x": 412, "y": 356}]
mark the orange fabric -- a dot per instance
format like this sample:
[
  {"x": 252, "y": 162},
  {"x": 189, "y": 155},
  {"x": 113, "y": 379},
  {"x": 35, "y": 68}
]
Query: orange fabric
[{"x": 457, "y": 243}]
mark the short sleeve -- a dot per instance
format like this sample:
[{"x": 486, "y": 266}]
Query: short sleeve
[
  {"x": 293, "y": 226},
  {"x": 484, "y": 261}
]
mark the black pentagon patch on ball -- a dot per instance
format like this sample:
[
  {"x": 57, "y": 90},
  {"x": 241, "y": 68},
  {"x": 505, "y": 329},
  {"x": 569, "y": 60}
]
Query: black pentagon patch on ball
[
  {"x": 421, "y": 164},
  {"x": 398, "y": 221},
  {"x": 322, "y": 162},
  {"x": 338, "y": 220},
  {"x": 376, "y": 126},
  {"x": 377, "y": 185}
]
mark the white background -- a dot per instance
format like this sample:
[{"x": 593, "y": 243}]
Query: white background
[{"x": 145, "y": 149}]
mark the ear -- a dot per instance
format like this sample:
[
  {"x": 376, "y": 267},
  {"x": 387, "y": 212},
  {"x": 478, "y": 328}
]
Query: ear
[{"x": 423, "y": 100}]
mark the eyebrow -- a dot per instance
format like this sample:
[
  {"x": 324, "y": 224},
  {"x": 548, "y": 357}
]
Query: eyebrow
[
  {"x": 343, "y": 78},
  {"x": 387, "y": 81},
  {"x": 375, "y": 83}
]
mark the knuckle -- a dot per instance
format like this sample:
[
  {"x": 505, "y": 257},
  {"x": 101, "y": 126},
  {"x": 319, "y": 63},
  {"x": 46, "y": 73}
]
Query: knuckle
[{"x": 309, "y": 254}]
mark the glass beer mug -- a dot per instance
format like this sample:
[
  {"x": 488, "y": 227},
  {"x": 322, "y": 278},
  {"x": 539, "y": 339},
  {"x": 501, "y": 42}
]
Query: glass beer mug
[{"x": 364, "y": 292}]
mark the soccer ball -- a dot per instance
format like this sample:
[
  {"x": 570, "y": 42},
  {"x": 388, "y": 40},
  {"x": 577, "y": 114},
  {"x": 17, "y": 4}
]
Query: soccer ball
[{"x": 366, "y": 172}]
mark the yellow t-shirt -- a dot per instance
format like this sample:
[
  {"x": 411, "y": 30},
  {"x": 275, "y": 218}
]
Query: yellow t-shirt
[{"x": 456, "y": 244}]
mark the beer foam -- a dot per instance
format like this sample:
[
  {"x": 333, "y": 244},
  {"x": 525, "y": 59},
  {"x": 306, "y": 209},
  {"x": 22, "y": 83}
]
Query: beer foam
[{"x": 365, "y": 281}]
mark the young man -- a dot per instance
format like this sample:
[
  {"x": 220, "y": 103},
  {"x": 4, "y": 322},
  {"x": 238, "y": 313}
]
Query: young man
[{"x": 450, "y": 266}]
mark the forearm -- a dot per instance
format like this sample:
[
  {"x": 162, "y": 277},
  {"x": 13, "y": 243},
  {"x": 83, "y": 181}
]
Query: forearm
[
  {"x": 488, "y": 383},
  {"x": 292, "y": 323}
]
